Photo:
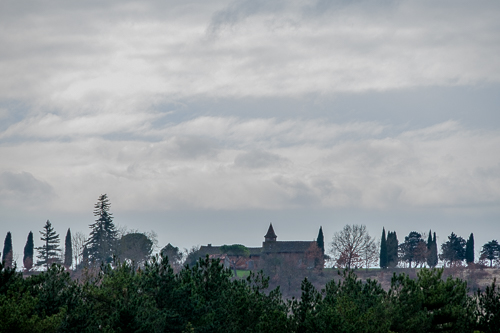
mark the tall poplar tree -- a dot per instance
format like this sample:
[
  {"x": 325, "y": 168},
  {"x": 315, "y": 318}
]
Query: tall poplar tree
[
  {"x": 68, "y": 250},
  {"x": 7, "y": 254},
  {"x": 28, "y": 252},
  {"x": 469, "y": 249},
  {"x": 48, "y": 253},
  {"x": 103, "y": 237},
  {"x": 383, "y": 250}
]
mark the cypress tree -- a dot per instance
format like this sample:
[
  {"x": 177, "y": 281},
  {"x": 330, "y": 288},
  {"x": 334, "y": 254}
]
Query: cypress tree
[
  {"x": 469, "y": 249},
  {"x": 321, "y": 241},
  {"x": 392, "y": 249},
  {"x": 68, "y": 250},
  {"x": 28, "y": 252},
  {"x": 103, "y": 237},
  {"x": 383, "y": 250},
  {"x": 429, "y": 246},
  {"x": 49, "y": 251},
  {"x": 432, "y": 258},
  {"x": 7, "y": 254}
]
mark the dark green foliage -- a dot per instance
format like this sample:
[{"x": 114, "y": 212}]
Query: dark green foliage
[
  {"x": 321, "y": 241},
  {"x": 7, "y": 254},
  {"x": 453, "y": 251},
  {"x": 429, "y": 304},
  {"x": 469, "y": 249},
  {"x": 28, "y": 252},
  {"x": 488, "y": 311},
  {"x": 235, "y": 250},
  {"x": 392, "y": 249},
  {"x": 68, "y": 250},
  {"x": 102, "y": 241},
  {"x": 205, "y": 298},
  {"x": 383, "y": 250},
  {"x": 490, "y": 251},
  {"x": 413, "y": 249},
  {"x": 48, "y": 253}
]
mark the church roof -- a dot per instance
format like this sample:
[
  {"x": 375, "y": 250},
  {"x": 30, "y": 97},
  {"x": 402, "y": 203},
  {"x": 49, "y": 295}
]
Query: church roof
[
  {"x": 286, "y": 247},
  {"x": 270, "y": 232}
]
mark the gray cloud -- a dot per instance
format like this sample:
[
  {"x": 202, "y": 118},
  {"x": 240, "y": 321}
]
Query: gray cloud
[
  {"x": 24, "y": 190},
  {"x": 259, "y": 159}
]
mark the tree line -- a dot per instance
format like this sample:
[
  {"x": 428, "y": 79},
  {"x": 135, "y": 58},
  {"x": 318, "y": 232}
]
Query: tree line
[
  {"x": 101, "y": 246},
  {"x": 351, "y": 247},
  {"x": 207, "y": 298}
]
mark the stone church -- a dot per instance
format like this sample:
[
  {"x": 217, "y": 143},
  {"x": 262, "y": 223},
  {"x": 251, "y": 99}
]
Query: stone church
[{"x": 301, "y": 253}]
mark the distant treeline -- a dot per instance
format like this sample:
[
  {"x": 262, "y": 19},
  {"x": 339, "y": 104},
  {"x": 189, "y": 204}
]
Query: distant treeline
[
  {"x": 206, "y": 298},
  {"x": 351, "y": 247}
]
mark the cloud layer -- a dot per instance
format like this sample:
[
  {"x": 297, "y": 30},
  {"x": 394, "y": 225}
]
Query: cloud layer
[{"x": 231, "y": 163}]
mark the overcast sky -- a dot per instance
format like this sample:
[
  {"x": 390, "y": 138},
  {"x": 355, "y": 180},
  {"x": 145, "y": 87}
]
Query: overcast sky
[{"x": 207, "y": 120}]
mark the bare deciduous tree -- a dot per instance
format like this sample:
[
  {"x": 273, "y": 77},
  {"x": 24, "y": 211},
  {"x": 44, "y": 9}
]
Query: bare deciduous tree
[
  {"x": 350, "y": 245},
  {"x": 78, "y": 242}
]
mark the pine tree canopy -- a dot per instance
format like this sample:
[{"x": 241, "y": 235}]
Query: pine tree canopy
[
  {"x": 453, "y": 250},
  {"x": 103, "y": 236},
  {"x": 48, "y": 253}
]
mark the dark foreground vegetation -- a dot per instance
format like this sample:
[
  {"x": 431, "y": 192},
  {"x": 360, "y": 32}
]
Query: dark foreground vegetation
[{"x": 206, "y": 298}]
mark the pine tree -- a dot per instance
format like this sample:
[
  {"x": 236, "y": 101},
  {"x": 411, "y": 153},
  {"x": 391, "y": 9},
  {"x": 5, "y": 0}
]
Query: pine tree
[
  {"x": 453, "y": 250},
  {"x": 102, "y": 241},
  {"x": 68, "y": 250},
  {"x": 7, "y": 254},
  {"x": 49, "y": 251},
  {"x": 392, "y": 249},
  {"x": 383, "y": 250},
  {"x": 469, "y": 249},
  {"x": 28, "y": 252},
  {"x": 321, "y": 240}
]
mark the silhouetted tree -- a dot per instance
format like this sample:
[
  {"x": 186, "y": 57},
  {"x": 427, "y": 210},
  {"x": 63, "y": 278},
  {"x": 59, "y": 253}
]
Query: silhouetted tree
[
  {"x": 453, "y": 250},
  {"x": 48, "y": 253},
  {"x": 469, "y": 249},
  {"x": 348, "y": 245},
  {"x": 432, "y": 253},
  {"x": 28, "y": 252},
  {"x": 321, "y": 240},
  {"x": 102, "y": 241},
  {"x": 383, "y": 250},
  {"x": 392, "y": 249},
  {"x": 412, "y": 248},
  {"x": 490, "y": 251},
  {"x": 7, "y": 254},
  {"x": 135, "y": 246},
  {"x": 68, "y": 250}
]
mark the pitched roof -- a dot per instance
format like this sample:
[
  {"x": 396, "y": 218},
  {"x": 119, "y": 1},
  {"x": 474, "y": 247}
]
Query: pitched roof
[
  {"x": 286, "y": 247},
  {"x": 270, "y": 232}
]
